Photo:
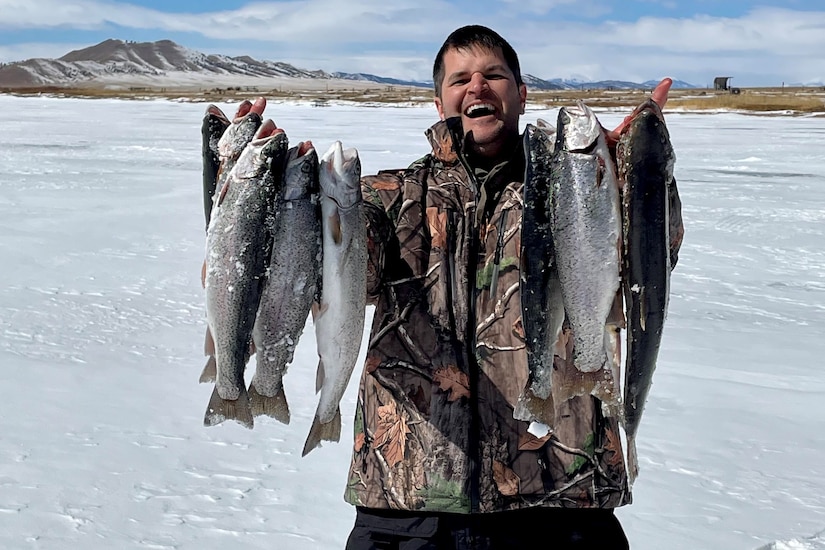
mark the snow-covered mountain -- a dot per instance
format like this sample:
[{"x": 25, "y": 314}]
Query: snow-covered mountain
[
  {"x": 112, "y": 58},
  {"x": 165, "y": 63}
]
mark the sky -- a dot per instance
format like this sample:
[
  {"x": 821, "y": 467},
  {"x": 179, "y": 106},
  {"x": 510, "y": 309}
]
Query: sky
[
  {"x": 102, "y": 319},
  {"x": 758, "y": 43}
]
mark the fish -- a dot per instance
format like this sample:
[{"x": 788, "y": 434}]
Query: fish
[
  {"x": 541, "y": 300},
  {"x": 585, "y": 221},
  {"x": 213, "y": 127},
  {"x": 292, "y": 282},
  {"x": 229, "y": 147},
  {"x": 236, "y": 254},
  {"x": 645, "y": 160},
  {"x": 339, "y": 320}
]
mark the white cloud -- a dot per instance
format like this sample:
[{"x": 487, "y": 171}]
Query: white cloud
[
  {"x": 399, "y": 38},
  {"x": 767, "y": 45}
]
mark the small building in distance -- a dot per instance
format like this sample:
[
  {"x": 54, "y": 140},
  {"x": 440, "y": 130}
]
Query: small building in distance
[{"x": 722, "y": 83}]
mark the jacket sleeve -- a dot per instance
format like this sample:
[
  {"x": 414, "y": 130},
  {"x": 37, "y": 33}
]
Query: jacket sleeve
[
  {"x": 677, "y": 228},
  {"x": 382, "y": 199}
]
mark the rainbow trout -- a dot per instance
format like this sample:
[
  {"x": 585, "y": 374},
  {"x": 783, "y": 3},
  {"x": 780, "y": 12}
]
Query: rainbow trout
[
  {"x": 585, "y": 221},
  {"x": 291, "y": 284},
  {"x": 645, "y": 160},
  {"x": 237, "y": 249},
  {"x": 339, "y": 322},
  {"x": 228, "y": 148}
]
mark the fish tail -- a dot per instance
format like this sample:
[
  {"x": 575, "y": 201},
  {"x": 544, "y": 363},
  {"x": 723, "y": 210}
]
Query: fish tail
[
  {"x": 331, "y": 431},
  {"x": 531, "y": 408},
  {"x": 275, "y": 407},
  {"x": 220, "y": 409}
]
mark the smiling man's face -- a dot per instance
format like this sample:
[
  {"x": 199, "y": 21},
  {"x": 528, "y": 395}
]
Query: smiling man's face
[{"x": 479, "y": 86}]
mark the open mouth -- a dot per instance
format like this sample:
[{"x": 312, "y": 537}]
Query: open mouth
[{"x": 479, "y": 110}]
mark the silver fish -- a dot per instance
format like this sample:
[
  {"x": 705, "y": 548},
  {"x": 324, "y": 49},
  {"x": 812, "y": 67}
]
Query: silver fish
[
  {"x": 540, "y": 289},
  {"x": 645, "y": 160},
  {"x": 586, "y": 227},
  {"x": 237, "y": 251},
  {"x": 291, "y": 284},
  {"x": 228, "y": 148},
  {"x": 339, "y": 323}
]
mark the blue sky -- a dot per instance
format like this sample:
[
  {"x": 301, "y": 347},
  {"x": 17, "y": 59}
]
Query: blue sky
[{"x": 758, "y": 43}]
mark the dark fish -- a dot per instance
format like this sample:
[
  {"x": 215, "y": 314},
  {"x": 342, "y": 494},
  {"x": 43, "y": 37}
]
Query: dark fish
[
  {"x": 238, "y": 248},
  {"x": 645, "y": 167},
  {"x": 541, "y": 300},
  {"x": 214, "y": 125},
  {"x": 291, "y": 284}
]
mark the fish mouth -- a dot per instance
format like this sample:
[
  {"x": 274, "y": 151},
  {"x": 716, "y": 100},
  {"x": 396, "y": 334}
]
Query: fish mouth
[
  {"x": 304, "y": 147},
  {"x": 480, "y": 109}
]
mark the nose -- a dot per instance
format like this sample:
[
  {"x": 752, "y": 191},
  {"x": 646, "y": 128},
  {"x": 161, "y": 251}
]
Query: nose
[{"x": 478, "y": 82}]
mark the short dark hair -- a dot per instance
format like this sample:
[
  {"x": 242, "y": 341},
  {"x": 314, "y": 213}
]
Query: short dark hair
[{"x": 469, "y": 37}]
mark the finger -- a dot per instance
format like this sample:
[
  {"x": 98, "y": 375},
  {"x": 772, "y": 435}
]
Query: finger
[
  {"x": 659, "y": 94},
  {"x": 243, "y": 108},
  {"x": 616, "y": 132},
  {"x": 259, "y": 106}
]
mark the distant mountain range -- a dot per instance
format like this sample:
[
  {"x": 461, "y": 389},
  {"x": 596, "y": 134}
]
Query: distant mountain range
[{"x": 165, "y": 63}]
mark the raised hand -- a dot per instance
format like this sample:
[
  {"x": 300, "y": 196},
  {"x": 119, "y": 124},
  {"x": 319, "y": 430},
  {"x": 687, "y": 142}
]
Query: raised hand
[{"x": 659, "y": 96}]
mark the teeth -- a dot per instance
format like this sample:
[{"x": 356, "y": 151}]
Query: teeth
[{"x": 473, "y": 108}]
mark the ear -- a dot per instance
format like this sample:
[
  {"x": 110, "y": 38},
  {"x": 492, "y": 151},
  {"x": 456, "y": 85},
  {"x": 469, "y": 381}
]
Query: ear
[
  {"x": 440, "y": 108},
  {"x": 522, "y": 92}
]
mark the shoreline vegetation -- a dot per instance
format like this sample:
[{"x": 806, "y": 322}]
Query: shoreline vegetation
[{"x": 779, "y": 100}]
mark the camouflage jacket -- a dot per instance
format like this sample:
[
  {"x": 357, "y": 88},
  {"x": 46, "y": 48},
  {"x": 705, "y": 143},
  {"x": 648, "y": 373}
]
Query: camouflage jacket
[{"x": 434, "y": 426}]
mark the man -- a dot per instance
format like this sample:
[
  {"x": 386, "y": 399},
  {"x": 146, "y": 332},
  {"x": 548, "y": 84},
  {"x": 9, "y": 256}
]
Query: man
[{"x": 439, "y": 461}]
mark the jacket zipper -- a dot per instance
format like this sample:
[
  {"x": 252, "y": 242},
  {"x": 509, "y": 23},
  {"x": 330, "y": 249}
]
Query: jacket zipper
[{"x": 473, "y": 441}]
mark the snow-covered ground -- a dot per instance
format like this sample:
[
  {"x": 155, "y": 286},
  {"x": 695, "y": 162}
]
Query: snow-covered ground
[{"x": 102, "y": 321}]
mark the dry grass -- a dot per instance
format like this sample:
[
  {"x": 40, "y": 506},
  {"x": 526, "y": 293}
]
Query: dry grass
[{"x": 757, "y": 100}]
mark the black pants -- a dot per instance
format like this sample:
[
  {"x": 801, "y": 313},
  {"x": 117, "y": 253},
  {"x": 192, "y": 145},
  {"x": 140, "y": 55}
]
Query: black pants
[{"x": 539, "y": 528}]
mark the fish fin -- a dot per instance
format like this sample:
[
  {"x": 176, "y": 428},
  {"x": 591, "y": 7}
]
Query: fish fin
[
  {"x": 642, "y": 309},
  {"x": 203, "y": 274},
  {"x": 331, "y": 431},
  {"x": 210, "y": 371},
  {"x": 335, "y": 226},
  {"x": 218, "y": 199},
  {"x": 208, "y": 343},
  {"x": 319, "y": 376},
  {"x": 275, "y": 407},
  {"x": 632, "y": 461},
  {"x": 220, "y": 409},
  {"x": 318, "y": 309},
  {"x": 616, "y": 316}
]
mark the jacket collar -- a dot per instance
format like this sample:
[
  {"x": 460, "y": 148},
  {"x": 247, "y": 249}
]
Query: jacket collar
[{"x": 444, "y": 137}]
